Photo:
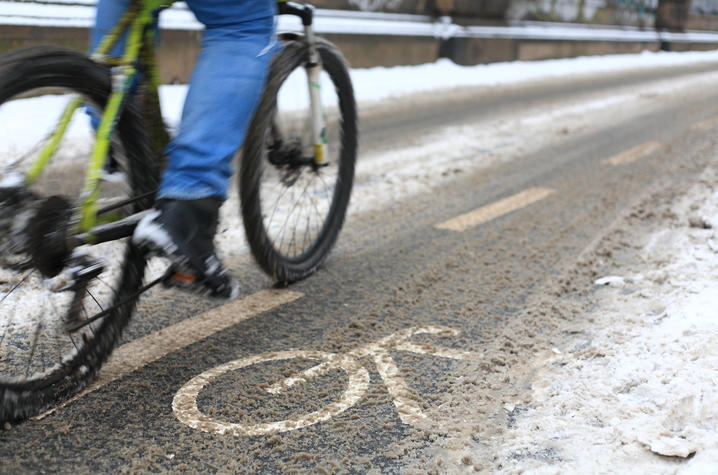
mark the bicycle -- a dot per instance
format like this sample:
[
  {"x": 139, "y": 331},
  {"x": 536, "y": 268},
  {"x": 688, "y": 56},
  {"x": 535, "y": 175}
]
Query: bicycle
[
  {"x": 65, "y": 233},
  {"x": 186, "y": 410}
]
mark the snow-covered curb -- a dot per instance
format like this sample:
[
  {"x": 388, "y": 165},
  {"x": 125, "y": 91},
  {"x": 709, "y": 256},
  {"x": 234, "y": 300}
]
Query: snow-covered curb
[
  {"x": 640, "y": 389},
  {"x": 379, "y": 83}
]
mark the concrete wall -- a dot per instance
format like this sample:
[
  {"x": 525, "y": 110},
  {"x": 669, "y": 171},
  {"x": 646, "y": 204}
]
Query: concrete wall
[
  {"x": 14, "y": 37},
  {"x": 177, "y": 52},
  {"x": 179, "y": 49},
  {"x": 370, "y": 51},
  {"x": 478, "y": 50}
]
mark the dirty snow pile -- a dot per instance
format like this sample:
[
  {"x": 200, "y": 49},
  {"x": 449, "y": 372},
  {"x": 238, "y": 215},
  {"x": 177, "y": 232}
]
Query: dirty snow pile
[{"x": 638, "y": 389}]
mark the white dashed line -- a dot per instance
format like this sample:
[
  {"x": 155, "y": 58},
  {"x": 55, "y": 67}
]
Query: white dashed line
[
  {"x": 705, "y": 125},
  {"x": 636, "y": 153},
  {"x": 495, "y": 210}
]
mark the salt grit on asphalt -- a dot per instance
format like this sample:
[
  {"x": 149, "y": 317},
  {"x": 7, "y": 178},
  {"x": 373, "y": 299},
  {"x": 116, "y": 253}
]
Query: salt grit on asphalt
[{"x": 635, "y": 385}]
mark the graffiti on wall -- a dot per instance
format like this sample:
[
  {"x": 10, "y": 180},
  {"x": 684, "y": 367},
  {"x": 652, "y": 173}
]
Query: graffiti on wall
[
  {"x": 629, "y": 12},
  {"x": 375, "y": 5}
]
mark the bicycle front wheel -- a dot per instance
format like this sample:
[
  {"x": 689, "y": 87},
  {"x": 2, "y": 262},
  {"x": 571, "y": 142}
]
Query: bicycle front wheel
[
  {"x": 293, "y": 209},
  {"x": 61, "y": 308}
]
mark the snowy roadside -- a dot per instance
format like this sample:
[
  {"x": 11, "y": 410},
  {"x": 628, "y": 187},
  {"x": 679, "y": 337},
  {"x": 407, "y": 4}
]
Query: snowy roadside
[
  {"x": 373, "y": 85},
  {"x": 640, "y": 378},
  {"x": 637, "y": 388}
]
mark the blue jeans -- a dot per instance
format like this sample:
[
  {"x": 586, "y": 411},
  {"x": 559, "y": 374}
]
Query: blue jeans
[{"x": 224, "y": 91}]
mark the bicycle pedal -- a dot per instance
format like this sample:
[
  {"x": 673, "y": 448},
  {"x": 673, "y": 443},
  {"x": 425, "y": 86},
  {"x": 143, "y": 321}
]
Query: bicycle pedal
[
  {"x": 188, "y": 280},
  {"x": 179, "y": 278}
]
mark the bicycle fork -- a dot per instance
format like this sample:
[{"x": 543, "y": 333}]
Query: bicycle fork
[{"x": 314, "y": 69}]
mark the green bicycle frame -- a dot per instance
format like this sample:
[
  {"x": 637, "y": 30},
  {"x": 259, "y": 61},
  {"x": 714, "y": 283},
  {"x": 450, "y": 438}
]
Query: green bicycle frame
[{"x": 137, "y": 22}]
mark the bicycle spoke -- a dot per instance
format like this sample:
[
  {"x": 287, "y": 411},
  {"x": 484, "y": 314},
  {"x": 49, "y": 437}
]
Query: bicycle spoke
[
  {"x": 303, "y": 204},
  {"x": 32, "y": 151},
  {"x": 84, "y": 335},
  {"x": 292, "y": 241},
  {"x": 296, "y": 203},
  {"x": 124, "y": 301},
  {"x": 316, "y": 208},
  {"x": 42, "y": 353},
  {"x": 92, "y": 330},
  {"x": 17, "y": 285},
  {"x": 73, "y": 341},
  {"x": 304, "y": 241},
  {"x": 326, "y": 187},
  {"x": 276, "y": 205},
  {"x": 95, "y": 300},
  {"x": 297, "y": 222},
  {"x": 32, "y": 349},
  {"x": 102, "y": 281},
  {"x": 307, "y": 231},
  {"x": 87, "y": 317},
  {"x": 58, "y": 348},
  {"x": 280, "y": 238}
]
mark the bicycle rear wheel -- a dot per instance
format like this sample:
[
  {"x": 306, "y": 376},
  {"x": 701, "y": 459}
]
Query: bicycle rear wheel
[
  {"x": 58, "y": 324},
  {"x": 292, "y": 209}
]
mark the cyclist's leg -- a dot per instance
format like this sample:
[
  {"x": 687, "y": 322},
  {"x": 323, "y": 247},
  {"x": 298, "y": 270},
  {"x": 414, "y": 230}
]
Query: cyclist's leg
[
  {"x": 224, "y": 91},
  {"x": 106, "y": 17}
]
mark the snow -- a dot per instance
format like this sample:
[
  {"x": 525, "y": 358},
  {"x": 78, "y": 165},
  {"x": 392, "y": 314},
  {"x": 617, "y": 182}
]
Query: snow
[
  {"x": 372, "y": 85},
  {"x": 645, "y": 383},
  {"x": 643, "y": 393},
  {"x": 39, "y": 113}
]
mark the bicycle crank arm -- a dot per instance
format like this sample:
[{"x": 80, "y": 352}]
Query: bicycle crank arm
[{"x": 111, "y": 231}]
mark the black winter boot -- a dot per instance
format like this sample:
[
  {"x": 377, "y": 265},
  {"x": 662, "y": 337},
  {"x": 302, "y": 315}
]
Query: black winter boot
[{"x": 183, "y": 231}]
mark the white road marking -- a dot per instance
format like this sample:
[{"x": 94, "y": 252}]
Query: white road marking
[
  {"x": 184, "y": 404},
  {"x": 405, "y": 399},
  {"x": 705, "y": 125},
  {"x": 495, "y": 210},
  {"x": 636, "y": 153},
  {"x": 143, "y": 351}
]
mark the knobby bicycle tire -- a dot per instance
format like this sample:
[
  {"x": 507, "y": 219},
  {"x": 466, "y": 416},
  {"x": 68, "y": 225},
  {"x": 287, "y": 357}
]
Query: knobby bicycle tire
[
  {"x": 270, "y": 256},
  {"x": 46, "y": 68}
]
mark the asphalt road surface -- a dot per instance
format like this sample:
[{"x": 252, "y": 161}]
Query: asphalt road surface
[{"x": 428, "y": 309}]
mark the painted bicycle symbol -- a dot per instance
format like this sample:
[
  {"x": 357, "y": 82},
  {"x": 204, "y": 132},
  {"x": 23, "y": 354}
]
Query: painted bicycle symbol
[{"x": 405, "y": 400}]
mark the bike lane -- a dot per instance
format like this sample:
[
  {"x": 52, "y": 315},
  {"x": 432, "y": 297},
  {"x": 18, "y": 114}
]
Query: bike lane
[
  {"x": 130, "y": 423},
  {"x": 392, "y": 271}
]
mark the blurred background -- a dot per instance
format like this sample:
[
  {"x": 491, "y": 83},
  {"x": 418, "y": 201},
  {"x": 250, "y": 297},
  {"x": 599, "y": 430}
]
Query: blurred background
[{"x": 404, "y": 32}]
